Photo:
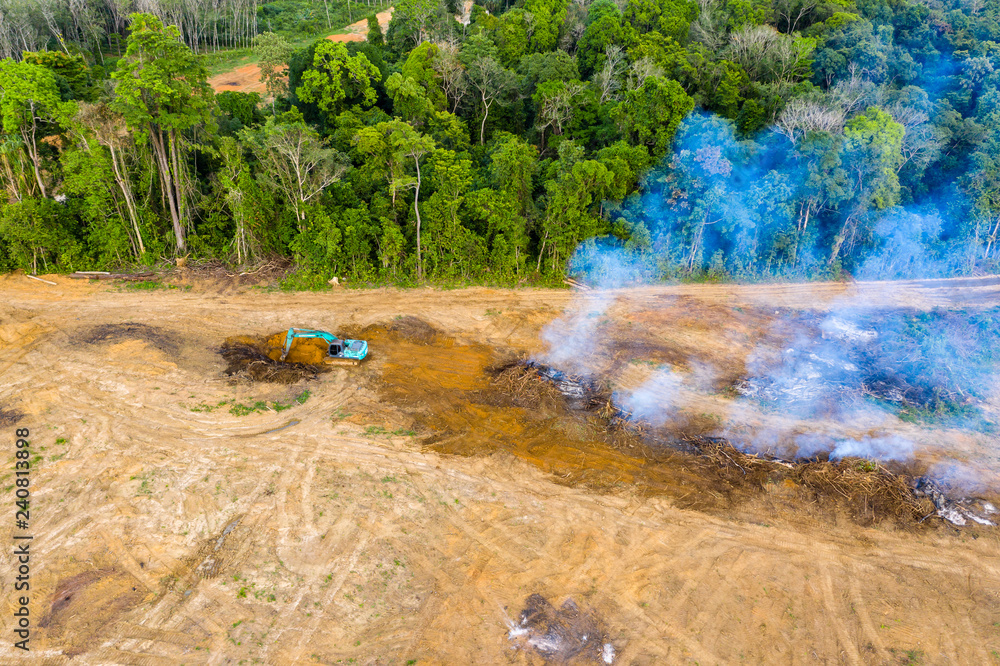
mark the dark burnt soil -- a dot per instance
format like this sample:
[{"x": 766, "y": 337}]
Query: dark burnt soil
[
  {"x": 85, "y": 603},
  {"x": 9, "y": 416},
  {"x": 166, "y": 341}
]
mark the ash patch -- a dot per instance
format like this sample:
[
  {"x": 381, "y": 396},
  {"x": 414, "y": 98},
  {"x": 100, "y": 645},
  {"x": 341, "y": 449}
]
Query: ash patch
[
  {"x": 941, "y": 360},
  {"x": 9, "y": 417},
  {"x": 564, "y": 635},
  {"x": 956, "y": 511},
  {"x": 163, "y": 340}
]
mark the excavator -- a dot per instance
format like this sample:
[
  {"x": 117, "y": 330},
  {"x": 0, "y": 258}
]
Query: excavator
[{"x": 339, "y": 351}]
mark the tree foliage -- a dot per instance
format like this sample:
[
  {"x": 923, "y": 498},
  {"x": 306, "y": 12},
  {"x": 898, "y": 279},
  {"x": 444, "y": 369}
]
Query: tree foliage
[{"x": 715, "y": 138}]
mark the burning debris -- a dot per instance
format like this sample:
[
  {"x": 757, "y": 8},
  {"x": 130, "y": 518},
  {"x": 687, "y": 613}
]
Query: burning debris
[
  {"x": 841, "y": 471},
  {"x": 582, "y": 392},
  {"x": 563, "y": 634},
  {"x": 957, "y": 512},
  {"x": 526, "y": 381}
]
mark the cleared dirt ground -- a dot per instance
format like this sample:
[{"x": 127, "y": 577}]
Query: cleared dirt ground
[
  {"x": 246, "y": 78},
  {"x": 398, "y": 513}
]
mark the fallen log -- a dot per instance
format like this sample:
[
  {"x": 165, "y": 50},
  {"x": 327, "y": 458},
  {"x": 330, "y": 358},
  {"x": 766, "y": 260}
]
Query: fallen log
[
  {"x": 95, "y": 275},
  {"x": 570, "y": 282}
]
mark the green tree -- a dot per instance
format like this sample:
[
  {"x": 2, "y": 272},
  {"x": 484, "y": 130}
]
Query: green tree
[
  {"x": 513, "y": 36},
  {"x": 651, "y": 114},
  {"x": 872, "y": 154},
  {"x": 29, "y": 102},
  {"x": 409, "y": 99},
  {"x": 671, "y": 18},
  {"x": 375, "y": 35},
  {"x": 38, "y": 230},
  {"x": 273, "y": 52},
  {"x": 555, "y": 103},
  {"x": 162, "y": 93},
  {"x": 411, "y": 22},
  {"x": 569, "y": 216},
  {"x": 337, "y": 78},
  {"x": 98, "y": 123},
  {"x": 548, "y": 18},
  {"x": 604, "y": 29},
  {"x": 295, "y": 162},
  {"x": 488, "y": 78},
  {"x": 71, "y": 72},
  {"x": 409, "y": 147},
  {"x": 506, "y": 229},
  {"x": 451, "y": 245},
  {"x": 91, "y": 196},
  {"x": 627, "y": 164},
  {"x": 512, "y": 170},
  {"x": 537, "y": 68},
  {"x": 421, "y": 66},
  {"x": 246, "y": 201}
]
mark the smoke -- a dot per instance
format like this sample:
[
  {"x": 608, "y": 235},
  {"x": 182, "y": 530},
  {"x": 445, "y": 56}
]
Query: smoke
[
  {"x": 654, "y": 401},
  {"x": 848, "y": 374},
  {"x": 573, "y": 339},
  {"x": 864, "y": 366},
  {"x": 765, "y": 207},
  {"x": 801, "y": 205},
  {"x": 888, "y": 447}
]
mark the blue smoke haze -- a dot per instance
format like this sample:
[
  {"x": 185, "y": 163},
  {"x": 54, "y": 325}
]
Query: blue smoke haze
[{"x": 730, "y": 207}]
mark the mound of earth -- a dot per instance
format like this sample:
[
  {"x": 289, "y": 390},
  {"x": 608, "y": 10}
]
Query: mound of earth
[{"x": 258, "y": 359}]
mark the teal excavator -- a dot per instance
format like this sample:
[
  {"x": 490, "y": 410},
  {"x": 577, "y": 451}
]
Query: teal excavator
[{"x": 346, "y": 350}]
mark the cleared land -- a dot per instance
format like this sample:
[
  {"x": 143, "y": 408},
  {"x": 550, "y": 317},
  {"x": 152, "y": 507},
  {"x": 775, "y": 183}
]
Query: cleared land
[
  {"x": 246, "y": 78},
  {"x": 405, "y": 510}
]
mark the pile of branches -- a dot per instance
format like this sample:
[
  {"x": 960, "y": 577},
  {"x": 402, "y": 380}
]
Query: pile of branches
[
  {"x": 528, "y": 384},
  {"x": 871, "y": 491},
  {"x": 522, "y": 386},
  {"x": 868, "y": 490},
  {"x": 247, "y": 359},
  {"x": 722, "y": 452},
  {"x": 582, "y": 392}
]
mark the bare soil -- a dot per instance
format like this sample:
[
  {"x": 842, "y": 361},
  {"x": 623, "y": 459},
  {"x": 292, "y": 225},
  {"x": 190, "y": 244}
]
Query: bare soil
[
  {"x": 412, "y": 510},
  {"x": 245, "y": 79},
  {"x": 358, "y": 31}
]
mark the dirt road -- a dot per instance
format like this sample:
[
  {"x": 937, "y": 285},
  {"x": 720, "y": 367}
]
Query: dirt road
[{"x": 181, "y": 518}]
